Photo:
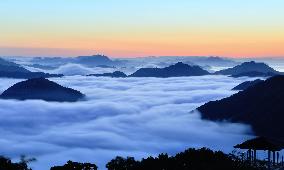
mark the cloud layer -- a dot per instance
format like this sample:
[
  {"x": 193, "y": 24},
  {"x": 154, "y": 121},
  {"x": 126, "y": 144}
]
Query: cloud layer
[{"x": 128, "y": 117}]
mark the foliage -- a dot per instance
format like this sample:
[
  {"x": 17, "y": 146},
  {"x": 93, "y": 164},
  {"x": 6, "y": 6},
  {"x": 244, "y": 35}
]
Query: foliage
[
  {"x": 75, "y": 166},
  {"x": 191, "y": 159},
  {"x": 7, "y": 164}
]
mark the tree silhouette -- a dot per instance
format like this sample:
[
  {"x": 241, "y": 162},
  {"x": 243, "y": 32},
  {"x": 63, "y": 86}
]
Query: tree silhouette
[
  {"x": 191, "y": 159},
  {"x": 75, "y": 166},
  {"x": 7, "y": 164},
  {"x": 120, "y": 163}
]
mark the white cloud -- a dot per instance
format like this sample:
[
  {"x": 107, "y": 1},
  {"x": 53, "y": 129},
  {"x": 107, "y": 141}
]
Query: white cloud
[
  {"x": 122, "y": 116},
  {"x": 77, "y": 69},
  {"x": 72, "y": 69}
]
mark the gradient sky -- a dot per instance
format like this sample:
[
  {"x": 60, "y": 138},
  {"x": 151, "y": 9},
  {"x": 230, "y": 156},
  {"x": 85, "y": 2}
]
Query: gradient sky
[{"x": 133, "y": 28}]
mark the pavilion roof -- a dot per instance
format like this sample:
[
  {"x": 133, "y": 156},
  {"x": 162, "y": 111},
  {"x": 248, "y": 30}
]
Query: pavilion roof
[{"x": 261, "y": 143}]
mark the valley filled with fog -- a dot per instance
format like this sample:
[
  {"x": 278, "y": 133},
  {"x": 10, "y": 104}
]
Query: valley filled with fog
[{"x": 130, "y": 116}]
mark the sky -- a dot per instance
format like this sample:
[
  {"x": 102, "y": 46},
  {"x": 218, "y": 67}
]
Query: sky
[{"x": 129, "y": 28}]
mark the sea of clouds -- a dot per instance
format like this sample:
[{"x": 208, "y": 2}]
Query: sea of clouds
[
  {"x": 121, "y": 116},
  {"x": 73, "y": 69},
  {"x": 127, "y": 65}
]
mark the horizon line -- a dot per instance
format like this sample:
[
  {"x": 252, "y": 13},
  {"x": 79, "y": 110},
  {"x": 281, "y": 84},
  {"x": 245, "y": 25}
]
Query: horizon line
[{"x": 66, "y": 53}]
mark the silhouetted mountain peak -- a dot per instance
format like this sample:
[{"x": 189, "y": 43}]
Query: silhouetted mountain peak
[
  {"x": 180, "y": 64},
  {"x": 41, "y": 88},
  {"x": 250, "y": 63},
  {"x": 177, "y": 70},
  {"x": 95, "y": 60},
  {"x": 261, "y": 106},
  {"x": 101, "y": 58},
  {"x": 254, "y": 65},
  {"x": 249, "y": 68}
]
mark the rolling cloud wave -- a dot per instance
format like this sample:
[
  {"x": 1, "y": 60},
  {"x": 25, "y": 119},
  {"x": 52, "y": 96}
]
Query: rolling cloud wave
[{"x": 128, "y": 117}]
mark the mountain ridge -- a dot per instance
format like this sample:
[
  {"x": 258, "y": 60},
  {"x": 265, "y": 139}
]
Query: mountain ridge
[
  {"x": 247, "y": 84},
  {"x": 12, "y": 70},
  {"x": 250, "y": 69},
  {"x": 177, "y": 70},
  {"x": 260, "y": 106},
  {"x": 41, "y": 89}
]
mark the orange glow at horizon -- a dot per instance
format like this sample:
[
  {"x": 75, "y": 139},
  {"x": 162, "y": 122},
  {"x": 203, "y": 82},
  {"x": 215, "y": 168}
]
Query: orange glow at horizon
[
  {"x": 130, "y": 28},
  {"x": 231, "y": 43}
]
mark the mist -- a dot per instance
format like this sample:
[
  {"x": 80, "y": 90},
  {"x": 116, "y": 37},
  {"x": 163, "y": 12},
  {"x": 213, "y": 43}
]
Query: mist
[{"x": 121, "y": 116}]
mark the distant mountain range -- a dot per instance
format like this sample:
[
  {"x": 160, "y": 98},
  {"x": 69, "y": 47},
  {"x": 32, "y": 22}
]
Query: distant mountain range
[
  {"x": 90, "y": 61},
  {"x": 96, "y": 60},
  {"x": 7, "y": 66},
  {"x": 215, "y": 60},
  {"x": 116, "y": 74},
  {"x": 41, "y": 89},
  {"x": 13, "y": 70},
  {"x": 247, "y": 84},
  {"x": 250, "y": 69},
  {"x": 177, "y": 70},
  {"x": 260, "y": 106}
]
